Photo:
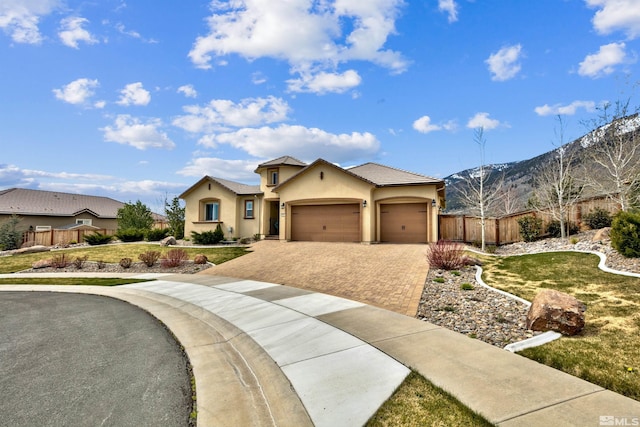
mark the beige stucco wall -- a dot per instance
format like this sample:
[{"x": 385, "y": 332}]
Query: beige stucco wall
[
  {"x": 61, "y": 221},
  {"x": 284, "y": 173},
  {"x": 409, "y": 194},
  {"x": 231, "y": 211},
  {"x": 335, "y": 186}
]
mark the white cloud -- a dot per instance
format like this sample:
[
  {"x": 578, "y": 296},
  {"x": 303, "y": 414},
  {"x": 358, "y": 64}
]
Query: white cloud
[
  {"x": 450, "y": 7},
  {"x": 298, "y": 141},
  {"x": 615, "y": 15},
  {"x": 308, "y": 37},
  {"x": 258, "y": 78},
  {"x": 238, "y": 170},
  {"x": 71, "y": 32},
  {"x": 324, "y": 82},
  {"x": 134, "y": 94},
  {"x": 188, "y": 90},
  {"x": 604, "y": 61},
  {"x": 131, "y": 131},
  {"x": 482, "y": 120},
  {"x": 504, "y": 64},
  {"x": 20, "y": 18},
  {"x": 424, "y": 125},
  {"x": 77, "y": 92},
  {"x": 221, "y": 113},
  {"x": 132, "y": 33},
  {"x": 568, "y": 110}
]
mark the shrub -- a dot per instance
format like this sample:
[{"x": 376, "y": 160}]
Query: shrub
[
  {"x": 625, "y": 234},
  {"x": 598, "y": 218},
  {"x": 446, "y": 255},
  {"x": 466, "y": 287},
  {"x": 149, "y": 258},
  {"x": 553, "y": 228},
  {"x": 530, "y": 227},
  {"x": 218, "y": 234},
  {"x": 208, "y": 237},
  {"x": 59, "y": 261},
  {"x": 126, "y": 262},
  {"x": 174, "y": 258},
  {"x": 157, "y": 234},
  {"x": 130, "y": 235},
  {"x": 101, "y": 264},
  {"x": 97, "y": 239},
  {"x": 79, "y": 261},
  {"x": 10, "y": 236}
]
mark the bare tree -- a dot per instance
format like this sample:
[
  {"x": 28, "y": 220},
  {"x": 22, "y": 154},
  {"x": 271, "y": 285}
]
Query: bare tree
[
  {"x": 479, "y": 194},
  {"x": 614, "y": 145},
  {"x": 555, "y": 186}
]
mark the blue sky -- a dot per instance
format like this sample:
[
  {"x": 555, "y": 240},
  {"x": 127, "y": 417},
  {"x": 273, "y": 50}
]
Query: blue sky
[{"x": 137, "y": 100}]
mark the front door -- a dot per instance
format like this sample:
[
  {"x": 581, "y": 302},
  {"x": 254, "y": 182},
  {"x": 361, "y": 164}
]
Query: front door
[{"x": 274, "y": 218}]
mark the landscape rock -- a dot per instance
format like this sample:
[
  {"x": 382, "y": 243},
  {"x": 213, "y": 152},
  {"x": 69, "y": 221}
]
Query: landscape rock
[
  {"x": 602, "y": 234},
  {"x": 556, "y": 311},
  {"x": 32, "y": 250},
  {"x": 43, "y": 263},
  {"x": 200, "y": 259},
  {"x": 167, "y": 241}
]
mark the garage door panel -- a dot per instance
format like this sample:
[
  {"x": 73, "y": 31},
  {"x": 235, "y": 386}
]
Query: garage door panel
[
  {"x": 403, "y": 223},
  {"x": 326, "y": 223}
]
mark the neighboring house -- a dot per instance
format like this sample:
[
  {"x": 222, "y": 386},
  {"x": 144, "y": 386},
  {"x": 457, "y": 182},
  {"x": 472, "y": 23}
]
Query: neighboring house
[
  {"x": 319, "y": 202},
  {"x": 47, "y": 210}
]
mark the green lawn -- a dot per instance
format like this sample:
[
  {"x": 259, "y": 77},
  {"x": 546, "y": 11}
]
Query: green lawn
[
  {"x": 607, "y": 351},
  {"x": 113, "y": 253}
]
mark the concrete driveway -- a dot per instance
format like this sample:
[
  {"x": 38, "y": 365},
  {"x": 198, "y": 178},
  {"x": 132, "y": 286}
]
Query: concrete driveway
[{"x": 387, "y": 276}]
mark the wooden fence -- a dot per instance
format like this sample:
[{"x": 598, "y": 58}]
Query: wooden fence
[
  {"x": 60, "y": 237},
  {"x": 505, "y": 230}
]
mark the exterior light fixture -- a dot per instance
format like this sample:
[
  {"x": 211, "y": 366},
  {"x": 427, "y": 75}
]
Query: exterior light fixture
[
  {"x": 282, "y": 205},
  {"x": 364, "y": 203},
  {"x": 433, "y": 203}
]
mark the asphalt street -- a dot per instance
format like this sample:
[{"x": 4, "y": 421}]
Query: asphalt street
[{"x": 86, "y": 360}]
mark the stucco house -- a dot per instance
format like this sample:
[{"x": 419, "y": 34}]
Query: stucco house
[
  {"x": 320, "y": 201},
  {"x": 46, "y": 210}
]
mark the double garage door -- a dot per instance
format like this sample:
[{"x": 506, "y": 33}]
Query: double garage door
[
  {"x": 403, "y": 223},
  {"x": 399, "y": 223},
  {"x": 326, "y": 223}
]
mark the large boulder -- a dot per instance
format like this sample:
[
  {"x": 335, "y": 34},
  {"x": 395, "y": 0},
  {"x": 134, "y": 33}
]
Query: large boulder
[
  {"x": 167, "y": 241},
  {"x": 556, "y": 311},
  {"x": 32, "y": 250}
]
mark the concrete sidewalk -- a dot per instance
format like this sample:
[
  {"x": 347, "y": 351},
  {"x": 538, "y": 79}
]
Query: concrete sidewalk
[{"x": 266, "y": 354}]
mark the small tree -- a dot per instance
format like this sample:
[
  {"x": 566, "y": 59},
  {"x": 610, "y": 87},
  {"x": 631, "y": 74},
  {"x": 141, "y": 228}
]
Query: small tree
[
  {"x": 556, "y": 190},
  {"x": 10, "y": 235},
  {"x": 135, "y": 216},
  {"x": 175, "y": 214},
  {"x": 614, "y": 145},
  {"x": 479, "y": 193}
]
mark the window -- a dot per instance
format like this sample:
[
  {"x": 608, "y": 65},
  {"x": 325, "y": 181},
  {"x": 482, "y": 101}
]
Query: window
[
  {"x": 272, "y": 176},
  {"x": 83, "y": 221},
  {"x": 212, "y": 211},
  {"x": 248, "y": 208}
]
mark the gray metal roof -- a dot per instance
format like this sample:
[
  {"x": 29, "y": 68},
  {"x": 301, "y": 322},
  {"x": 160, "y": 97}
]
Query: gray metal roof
[
  {"x": 22, "y": 201},
  {"x": 381, "y": 175}
]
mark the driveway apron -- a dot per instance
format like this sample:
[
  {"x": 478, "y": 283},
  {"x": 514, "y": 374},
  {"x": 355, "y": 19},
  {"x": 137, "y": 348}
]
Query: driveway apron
[{"x": 386, "y": 276}]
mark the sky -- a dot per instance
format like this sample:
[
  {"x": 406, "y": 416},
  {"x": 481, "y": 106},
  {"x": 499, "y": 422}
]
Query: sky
[{"x": 138, "y": 100}]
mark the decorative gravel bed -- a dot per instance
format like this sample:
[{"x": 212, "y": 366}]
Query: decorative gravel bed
[
  {"x": 188, "y": 267},
  {"x": 487, "y": 315}
]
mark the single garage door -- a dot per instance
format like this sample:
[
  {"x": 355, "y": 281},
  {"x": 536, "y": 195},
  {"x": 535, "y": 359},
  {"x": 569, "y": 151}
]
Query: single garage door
[
  {"x": 326, "y": 223},
  {"x": 403, "y": 223}
]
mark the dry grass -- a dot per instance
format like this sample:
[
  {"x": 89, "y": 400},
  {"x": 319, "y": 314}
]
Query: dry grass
[{"x": 606, "y": 352}]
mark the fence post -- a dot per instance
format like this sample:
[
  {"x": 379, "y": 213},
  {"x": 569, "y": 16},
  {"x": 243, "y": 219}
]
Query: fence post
[{"x": 497, "y": 232}]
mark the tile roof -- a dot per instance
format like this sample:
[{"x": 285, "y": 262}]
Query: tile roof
[
  {"x": 283, "y": 161},
  {"x": 381, "y": 175},
  {"x": 236, "y": 187},
  {"x": 22, "y": 201}
]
